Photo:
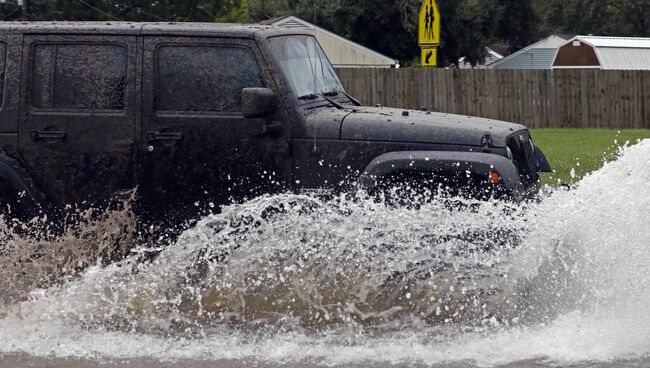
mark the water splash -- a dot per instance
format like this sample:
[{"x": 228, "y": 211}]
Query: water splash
[
  {"x": 291, "y": 278},
  {"x": 40, "y": 252},
  {"x": 297, "y": 260}
]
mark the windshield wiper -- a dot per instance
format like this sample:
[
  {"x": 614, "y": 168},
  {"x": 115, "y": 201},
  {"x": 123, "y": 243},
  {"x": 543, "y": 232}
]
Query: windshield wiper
[
  {"x": 336, "y": 93},
  {"x": 354, "y": 100},
  {"x": 336, "y": 104},
  {"x": 311, "y": 96}
]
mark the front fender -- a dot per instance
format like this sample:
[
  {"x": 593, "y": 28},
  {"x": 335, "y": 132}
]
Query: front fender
[
  {"x": 441, "y": 162},
  {"x": 32, "y": 200},
  {"x": 542, "y": 161}
]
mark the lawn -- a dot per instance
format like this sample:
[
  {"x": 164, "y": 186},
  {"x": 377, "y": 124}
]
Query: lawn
[{"x": 580, "y": 150}]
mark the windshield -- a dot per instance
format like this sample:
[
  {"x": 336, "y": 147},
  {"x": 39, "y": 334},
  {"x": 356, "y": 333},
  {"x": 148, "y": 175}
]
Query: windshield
[{"x": 305, "y": 66}]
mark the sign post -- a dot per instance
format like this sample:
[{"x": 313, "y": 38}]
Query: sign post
[
  {"x": 429, "y": 40},
  {"x": 429, "y": 33}
]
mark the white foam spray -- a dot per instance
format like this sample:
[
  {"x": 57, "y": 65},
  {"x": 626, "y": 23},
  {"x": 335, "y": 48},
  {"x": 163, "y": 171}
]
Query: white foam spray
[{"x": 294, "y": 279}]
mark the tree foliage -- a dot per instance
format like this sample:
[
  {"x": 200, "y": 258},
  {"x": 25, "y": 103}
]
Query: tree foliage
[
  {"x": 597, "y": 17},
  {"x": 519, "y": 23},
  {"x": 390, "y": 27}
]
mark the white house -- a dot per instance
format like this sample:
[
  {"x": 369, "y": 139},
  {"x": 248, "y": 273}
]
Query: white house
[{"x": 342, "y": 52}]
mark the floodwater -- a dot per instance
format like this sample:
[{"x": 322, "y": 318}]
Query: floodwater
[{"x": 294, "y": 281}]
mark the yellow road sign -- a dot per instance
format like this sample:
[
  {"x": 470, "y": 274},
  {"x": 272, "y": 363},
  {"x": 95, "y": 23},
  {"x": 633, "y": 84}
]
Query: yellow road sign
[
  {"x": 429, "y": 57},
  {"x": 429, "y": 24}
]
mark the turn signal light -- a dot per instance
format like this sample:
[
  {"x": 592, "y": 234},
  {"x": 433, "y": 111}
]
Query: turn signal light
[{"x": 494, "y": 177}]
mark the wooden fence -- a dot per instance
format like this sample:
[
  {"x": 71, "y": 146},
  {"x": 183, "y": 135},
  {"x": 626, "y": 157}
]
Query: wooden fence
[{"x": 536, "y": 98}]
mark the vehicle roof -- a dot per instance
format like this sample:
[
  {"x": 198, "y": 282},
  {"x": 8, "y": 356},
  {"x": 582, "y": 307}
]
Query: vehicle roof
[{"x": 139, "y": 28}]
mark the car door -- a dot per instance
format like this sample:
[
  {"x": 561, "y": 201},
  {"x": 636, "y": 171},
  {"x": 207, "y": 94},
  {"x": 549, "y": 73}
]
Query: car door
[
  {"x": 77, "y": 126},
  {"x": 10, "y": 52},
  {"x": 199, "y": 151}
]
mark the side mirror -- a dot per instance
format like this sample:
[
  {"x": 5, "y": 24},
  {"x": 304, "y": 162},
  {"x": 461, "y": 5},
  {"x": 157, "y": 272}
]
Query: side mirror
[{"x": 258, "y": 103}]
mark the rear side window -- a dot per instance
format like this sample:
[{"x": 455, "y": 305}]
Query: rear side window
[
  {"x": 3, "y": 54},
  {"x": 205, "y": 78},
  {"x": 80, "y": 77}
]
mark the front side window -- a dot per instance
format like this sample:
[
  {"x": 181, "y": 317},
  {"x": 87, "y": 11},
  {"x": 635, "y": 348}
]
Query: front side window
[
  {"x": 3, "y": 54},
  {"x": 305, "y": 66},
  {"x": 79, "y": 77},
  {"x": 205, "y": 78}
]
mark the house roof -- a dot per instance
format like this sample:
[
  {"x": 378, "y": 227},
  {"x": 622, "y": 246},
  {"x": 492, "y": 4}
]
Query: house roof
[
  {"x": 619, "y": 53},
  {"x": 273, "y": 20},
  {"x": 502, "y": 49},
  {"x": 542, "y": 48},
  {"x": 617, "y": 42},
  {"x": 490, "y": 57},
  {"x": 291, "y": 21}
]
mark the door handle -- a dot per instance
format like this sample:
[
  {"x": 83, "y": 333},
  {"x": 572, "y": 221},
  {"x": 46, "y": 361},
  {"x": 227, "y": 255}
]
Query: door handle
[
  {"x": 122, "y": 145},
  {"x": 272, "y": 128},
  {"x": 164, "y": 136},
  {"x": 47, "y": 134}
]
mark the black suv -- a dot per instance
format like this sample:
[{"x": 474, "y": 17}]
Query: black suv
[{"x": 198, "y": 115}]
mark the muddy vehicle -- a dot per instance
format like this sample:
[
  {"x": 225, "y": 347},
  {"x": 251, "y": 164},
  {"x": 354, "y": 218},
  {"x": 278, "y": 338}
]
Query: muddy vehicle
[{"x": 198, "y": 115}]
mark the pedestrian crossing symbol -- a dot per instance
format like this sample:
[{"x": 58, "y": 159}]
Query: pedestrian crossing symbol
[
  {"x": 429, "y": 24},
  {"x": 429, "y": 57}
]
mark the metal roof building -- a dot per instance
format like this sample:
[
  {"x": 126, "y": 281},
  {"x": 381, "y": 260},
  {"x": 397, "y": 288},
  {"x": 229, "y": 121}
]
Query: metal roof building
[
  {"x": 342, "y": 52},
  {"x": 539, "y": 55},
  {"x": 609, "y": 53}
]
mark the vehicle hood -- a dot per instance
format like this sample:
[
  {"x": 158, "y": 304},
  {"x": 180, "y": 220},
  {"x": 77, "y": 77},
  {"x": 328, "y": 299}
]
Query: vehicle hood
[{"x": 399, "y": 125}]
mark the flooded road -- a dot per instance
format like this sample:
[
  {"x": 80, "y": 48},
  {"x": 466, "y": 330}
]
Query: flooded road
[
  {"x": 28, "y": 362},
  {"x": 295, "y": 281}
]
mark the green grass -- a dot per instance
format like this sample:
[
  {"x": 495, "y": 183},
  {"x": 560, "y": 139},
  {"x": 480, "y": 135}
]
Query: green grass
[{"x": 583, "y": 150}]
